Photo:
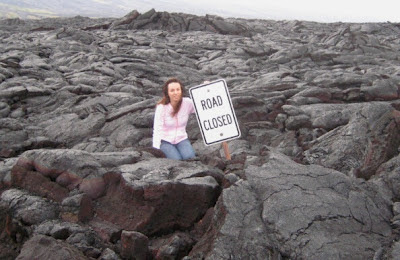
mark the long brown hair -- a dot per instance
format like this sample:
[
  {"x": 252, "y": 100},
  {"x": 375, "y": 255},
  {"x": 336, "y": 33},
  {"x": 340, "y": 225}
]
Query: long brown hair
[{"x": 165, "y": 99}]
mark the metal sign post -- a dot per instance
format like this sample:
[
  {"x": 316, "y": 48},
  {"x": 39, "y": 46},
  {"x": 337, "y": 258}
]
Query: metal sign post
[
  {"x": 215, "y": 114},
  {"x": 226, "y": 150}
]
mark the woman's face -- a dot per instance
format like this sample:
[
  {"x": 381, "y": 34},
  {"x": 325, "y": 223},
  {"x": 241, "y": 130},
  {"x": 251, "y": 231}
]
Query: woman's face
[{"x": 174, "y": 92}]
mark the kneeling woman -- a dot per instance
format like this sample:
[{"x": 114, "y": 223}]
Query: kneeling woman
[{"x": 170, "y": 120}]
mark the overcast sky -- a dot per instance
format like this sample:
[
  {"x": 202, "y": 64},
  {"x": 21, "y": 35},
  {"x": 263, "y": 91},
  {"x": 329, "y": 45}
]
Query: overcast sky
[{"x": 311, "y": 10}]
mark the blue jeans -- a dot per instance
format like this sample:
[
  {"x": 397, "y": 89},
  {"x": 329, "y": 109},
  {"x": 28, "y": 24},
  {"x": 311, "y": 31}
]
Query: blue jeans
[{"x": 180, "y": 151}]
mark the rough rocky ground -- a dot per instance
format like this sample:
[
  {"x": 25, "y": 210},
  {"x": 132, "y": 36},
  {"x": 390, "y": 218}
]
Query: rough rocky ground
[{"x": 315, "y": 175}]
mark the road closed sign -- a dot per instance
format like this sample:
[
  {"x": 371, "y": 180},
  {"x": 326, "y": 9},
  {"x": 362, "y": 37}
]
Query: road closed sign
[{"x": 214, "y": 111}]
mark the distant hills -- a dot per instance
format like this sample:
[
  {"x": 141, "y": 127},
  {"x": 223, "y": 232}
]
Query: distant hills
[
  {"x": 28, "y": 9},
  {"x": 37, "y": 9}
]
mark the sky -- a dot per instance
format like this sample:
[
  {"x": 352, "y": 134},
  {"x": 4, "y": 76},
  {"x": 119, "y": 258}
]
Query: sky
[{"x": 310, "y": 10}]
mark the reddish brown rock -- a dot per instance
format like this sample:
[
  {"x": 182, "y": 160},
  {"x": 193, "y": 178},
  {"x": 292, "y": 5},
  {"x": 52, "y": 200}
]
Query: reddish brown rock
[
  {"x": 94, "y": 188},
  {"x": 68, "y": 180},
  {"x": 107, "y": 231},
  {"x": 154, "y": 208},
  {"x": 36, "y": 183},
  {"x": 134, "y": 245},
  {"x": 44, "y": 247}
]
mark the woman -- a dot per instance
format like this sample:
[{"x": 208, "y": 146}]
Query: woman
[{"x": 170, "y": 120}]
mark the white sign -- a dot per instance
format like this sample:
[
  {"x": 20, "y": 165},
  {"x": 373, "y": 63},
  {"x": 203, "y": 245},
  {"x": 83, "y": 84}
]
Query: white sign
[{"x": 214, "y": 111}]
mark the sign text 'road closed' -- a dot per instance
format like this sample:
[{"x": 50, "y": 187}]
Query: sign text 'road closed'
[{"x": 214, "y": 110}]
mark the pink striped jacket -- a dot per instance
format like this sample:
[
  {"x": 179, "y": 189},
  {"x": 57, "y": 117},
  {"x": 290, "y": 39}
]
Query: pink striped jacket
[{"x": 168, "y": 128}]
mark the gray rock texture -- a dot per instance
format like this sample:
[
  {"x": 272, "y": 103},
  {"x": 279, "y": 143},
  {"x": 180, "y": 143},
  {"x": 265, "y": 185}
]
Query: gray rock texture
[{"x": 315, "y": 174}]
